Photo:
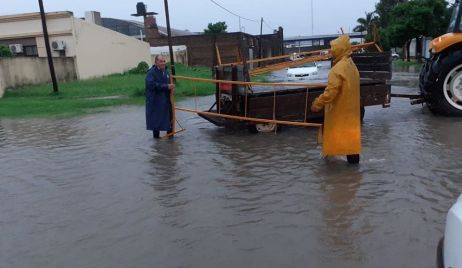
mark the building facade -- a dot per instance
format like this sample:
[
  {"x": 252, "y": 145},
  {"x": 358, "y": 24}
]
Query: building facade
[
  {"x": 315, "y": 42},
  {"x": 96, "y": 51}
]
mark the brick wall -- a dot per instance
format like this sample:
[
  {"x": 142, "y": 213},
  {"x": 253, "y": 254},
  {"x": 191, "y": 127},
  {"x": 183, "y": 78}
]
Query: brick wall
[{"x": 201, "y": 48}]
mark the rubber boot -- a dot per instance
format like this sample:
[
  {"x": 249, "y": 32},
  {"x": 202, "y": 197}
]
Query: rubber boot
[
  {"x": 353, "y": 158},
  {"x": 156, "y": 134}
]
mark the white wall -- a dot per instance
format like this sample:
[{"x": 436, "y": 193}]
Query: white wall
[
  {"x": 21, "y": 71},
  {"x": 100, "y": 51},
  {"x": 2, "y": 83},
  {"x": 69, "y": 40}
]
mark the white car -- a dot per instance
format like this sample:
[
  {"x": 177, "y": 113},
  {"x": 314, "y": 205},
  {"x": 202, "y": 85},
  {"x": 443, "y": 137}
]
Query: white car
[
  {"x": 449, "y": 253},
  {"x": 306, "y": 71}
]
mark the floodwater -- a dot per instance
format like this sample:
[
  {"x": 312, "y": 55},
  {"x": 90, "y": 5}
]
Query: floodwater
[{"x": 98, "y": 191}]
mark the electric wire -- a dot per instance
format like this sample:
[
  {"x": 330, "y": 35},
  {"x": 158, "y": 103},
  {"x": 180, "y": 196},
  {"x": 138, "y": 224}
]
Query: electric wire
[{"x": 229, "y": 11}]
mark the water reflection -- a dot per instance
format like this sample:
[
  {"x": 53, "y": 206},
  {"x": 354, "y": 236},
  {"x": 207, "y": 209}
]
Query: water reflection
[
  {"x": 73, "y": 189},
  {"x": 163, "y": 175},
  {"x": 50, "y": 134},
  {"x": 340, "y": 182},
  {"x": 2, "y": 135}
]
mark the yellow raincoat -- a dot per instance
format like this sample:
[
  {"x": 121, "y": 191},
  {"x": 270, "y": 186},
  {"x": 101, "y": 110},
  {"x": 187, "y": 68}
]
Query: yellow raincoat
[{"x": 341, "y": 102}]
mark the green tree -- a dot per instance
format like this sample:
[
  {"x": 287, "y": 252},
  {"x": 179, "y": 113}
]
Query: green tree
[
  {"x": 366, "y": 24},
  {"x": 214, "y": 28},
  {"x": 5, "y": 52},
  {"x": 414, "y": 19},
  {"x": 383, "y": 9}
]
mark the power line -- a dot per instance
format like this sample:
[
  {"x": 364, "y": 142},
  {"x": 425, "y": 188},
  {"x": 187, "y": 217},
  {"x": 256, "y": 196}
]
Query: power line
[
  {"x": 229, "y": 11},
  {"x": 268, "y": 26}
]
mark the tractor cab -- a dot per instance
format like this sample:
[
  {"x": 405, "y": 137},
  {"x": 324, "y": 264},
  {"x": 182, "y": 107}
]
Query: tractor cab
[
  {"x": 454, "y": 33},
  {"x": 454, "y": 24}
]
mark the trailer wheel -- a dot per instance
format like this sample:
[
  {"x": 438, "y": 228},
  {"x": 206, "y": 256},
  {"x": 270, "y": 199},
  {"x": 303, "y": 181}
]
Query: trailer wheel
[
  {"x": 265, "y": 127},
  {"x": 252, "y": 129},
  {"x": 262, "y": 128},
  {"x": 445, "y": 96}
]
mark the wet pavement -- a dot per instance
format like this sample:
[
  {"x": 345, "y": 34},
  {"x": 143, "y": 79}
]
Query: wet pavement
[{"x": 98, "y": 191}]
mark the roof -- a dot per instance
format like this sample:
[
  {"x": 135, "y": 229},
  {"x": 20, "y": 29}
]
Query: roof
[
  {"x": 35, "y": 15},
  {"x": 133, "y": 27},
  {"x": 311, "y": 37}
]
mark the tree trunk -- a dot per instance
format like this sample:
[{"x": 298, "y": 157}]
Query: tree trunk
[
  {"x": 408, "y": 50},
  {"x": 418, "y": 49}
]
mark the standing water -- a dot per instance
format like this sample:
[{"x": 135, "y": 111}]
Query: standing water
[{"x": 98, "y": 191}]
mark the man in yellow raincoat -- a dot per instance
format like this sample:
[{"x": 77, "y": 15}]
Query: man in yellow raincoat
[{"x": 341, "y": 103}]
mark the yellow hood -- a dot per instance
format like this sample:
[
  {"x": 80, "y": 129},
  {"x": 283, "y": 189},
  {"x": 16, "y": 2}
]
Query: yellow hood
[{"x": 340, "y": 47}]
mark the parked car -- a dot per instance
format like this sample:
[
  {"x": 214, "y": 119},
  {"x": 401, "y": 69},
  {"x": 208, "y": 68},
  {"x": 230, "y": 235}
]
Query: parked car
[
  {"x": 449, "y": 251},
  {"x": 306, "y": 71},
  {"x": 395, "y": 56}
]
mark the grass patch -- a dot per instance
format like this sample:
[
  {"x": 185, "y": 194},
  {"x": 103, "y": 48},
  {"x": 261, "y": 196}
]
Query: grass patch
[
  {"x": 86, "y": 96},
  {"x": 403, "y": 63}
]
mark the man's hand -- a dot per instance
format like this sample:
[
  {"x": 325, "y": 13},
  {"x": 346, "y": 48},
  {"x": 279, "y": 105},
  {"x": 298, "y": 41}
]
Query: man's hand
[
  {"x": 315, "y": 107},
  {"x": 171, "y": 87}
]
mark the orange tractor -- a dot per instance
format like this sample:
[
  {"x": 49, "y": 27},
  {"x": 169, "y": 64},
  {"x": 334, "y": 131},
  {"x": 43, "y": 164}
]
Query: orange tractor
[{"x": 441, "y": 75}]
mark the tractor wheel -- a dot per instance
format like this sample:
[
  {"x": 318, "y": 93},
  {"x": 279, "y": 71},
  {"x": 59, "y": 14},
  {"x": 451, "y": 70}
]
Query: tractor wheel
[
  {"x": 362, "y": 111},
  {"x": 442, "y": 82}
]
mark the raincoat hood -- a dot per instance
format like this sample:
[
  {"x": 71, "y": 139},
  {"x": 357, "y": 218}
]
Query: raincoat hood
[{"x": 341, "y": 47}]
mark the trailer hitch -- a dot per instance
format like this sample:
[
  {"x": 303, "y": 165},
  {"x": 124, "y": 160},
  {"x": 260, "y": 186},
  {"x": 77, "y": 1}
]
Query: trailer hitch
[{"x": 413, "y": 98}]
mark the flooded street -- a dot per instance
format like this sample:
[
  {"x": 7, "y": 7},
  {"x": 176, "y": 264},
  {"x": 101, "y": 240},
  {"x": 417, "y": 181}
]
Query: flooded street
[{"x": 98, "y": 191}]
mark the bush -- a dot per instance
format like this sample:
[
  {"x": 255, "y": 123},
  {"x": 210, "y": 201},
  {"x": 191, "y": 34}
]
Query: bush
[
  {"x": 5, "y": 52},
  {"x": 142, "y": 68}
]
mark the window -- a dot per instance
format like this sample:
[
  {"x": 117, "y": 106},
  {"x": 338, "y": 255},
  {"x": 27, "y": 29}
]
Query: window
[
  {"x": 452, "y": 23},
  {"x": 307, "y": 43},
  {"x": 316, "y": 42},
  {"x": 30, "y": 51}
]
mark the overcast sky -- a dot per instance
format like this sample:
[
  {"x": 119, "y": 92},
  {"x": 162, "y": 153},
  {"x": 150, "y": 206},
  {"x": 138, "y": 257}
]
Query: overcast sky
[{"x": 293, "y": 15}]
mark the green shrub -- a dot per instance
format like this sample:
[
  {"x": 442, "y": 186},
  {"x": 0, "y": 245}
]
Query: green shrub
[
  {"x": 5, "y": 51},
  {"x": 142, "y": 68}
]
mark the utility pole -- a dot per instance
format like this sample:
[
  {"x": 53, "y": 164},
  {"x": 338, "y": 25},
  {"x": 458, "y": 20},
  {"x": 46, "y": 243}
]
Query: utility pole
[
  {"x": 240, "y": 29},
  {"x": 261, "y": 40},
  {"x": 48, "y": 49},
  {"x": 169, "y": 33},
  {"x": 312, "y": 18}
]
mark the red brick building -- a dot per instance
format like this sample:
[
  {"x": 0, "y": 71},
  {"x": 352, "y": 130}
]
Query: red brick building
[{"x": 201, "y": 47}]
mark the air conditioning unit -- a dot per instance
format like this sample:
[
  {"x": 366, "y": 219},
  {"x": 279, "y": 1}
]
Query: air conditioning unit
[
  {"x": 58, "y": 45},
  {"x": 16, "y": 48}
]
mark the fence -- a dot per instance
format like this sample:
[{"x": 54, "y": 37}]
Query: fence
[{"x": 21, "y": 71}]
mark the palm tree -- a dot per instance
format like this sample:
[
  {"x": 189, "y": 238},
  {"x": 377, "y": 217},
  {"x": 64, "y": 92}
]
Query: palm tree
[{"x": 366, "y": 24}]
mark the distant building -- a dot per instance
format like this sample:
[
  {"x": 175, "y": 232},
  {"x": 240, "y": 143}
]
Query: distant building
[
  {"x": 95, "y": 51},
  {"x": 201, "y": 48},
  {"x": 315, "y": 42},
  {"x": 136, "y": 28}
]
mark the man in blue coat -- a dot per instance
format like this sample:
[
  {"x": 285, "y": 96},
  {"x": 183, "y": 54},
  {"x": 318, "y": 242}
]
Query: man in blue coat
[{"x": 157, "y": 91}]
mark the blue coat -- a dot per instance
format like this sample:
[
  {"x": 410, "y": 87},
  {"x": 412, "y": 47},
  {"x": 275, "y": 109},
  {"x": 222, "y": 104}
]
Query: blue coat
[{"x": 158, "y": 106}]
